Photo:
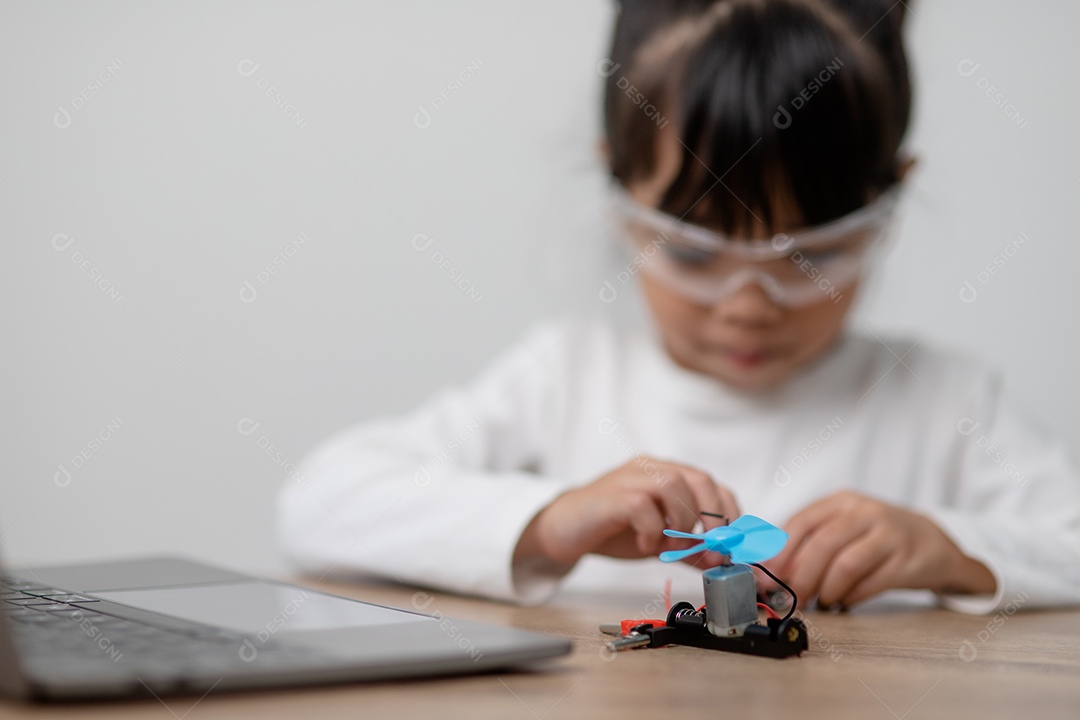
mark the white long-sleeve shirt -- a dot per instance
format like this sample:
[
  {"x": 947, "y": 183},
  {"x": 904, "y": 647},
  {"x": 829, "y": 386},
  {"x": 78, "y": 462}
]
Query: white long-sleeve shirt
[{"x": 440, "y": 497}]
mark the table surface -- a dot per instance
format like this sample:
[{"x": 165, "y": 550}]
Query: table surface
[{"x": 879, "y": 662}]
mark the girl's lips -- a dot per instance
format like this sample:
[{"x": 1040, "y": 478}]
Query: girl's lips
[{"x": 749, "y": 359}]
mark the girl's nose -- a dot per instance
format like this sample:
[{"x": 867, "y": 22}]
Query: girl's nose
[{"x": 750, "y": 305}]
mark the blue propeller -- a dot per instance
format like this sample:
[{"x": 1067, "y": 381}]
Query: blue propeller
[{"x": 747, "y": 540}]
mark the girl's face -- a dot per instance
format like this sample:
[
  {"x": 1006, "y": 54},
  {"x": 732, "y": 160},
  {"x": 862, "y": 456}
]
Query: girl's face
[{"x": 746, "y": 340}]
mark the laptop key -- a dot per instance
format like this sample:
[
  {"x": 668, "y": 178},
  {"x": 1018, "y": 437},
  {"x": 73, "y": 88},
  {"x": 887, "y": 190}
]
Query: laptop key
[
  {"x": 38, "y": 589},
  {"x": 14, "y": 596},
  {"x": 30, "y": 617},
  {"x": 25, "y": 585},
  {"x": 102, "y": 618},
  {"x": 66, "y": 597}
]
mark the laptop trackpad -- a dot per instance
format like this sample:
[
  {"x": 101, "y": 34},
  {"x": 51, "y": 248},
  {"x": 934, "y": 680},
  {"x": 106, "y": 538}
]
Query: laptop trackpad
[{"x": 252, "y": 606}]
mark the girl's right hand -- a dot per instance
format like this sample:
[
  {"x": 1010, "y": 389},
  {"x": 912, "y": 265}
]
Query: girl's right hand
[{"x": 623, "y": 514}]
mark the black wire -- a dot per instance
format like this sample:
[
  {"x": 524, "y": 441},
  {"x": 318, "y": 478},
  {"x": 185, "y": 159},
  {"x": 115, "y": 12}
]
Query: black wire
[
  {"x": 781, "y": 583},
  {"x": 716, "y": 515}
]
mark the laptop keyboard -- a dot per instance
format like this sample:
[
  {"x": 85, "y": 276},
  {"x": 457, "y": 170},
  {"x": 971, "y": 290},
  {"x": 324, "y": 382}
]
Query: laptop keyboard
[{"x": 56, "y": 630}]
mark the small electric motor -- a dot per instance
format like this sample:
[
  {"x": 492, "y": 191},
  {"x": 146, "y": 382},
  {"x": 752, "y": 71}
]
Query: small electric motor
[{"x": 730, "y": 599}]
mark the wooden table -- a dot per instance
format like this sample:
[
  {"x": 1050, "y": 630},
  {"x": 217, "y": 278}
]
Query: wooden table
[{"x": 880, "y": 662}]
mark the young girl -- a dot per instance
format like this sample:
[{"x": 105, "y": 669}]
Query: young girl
[{"x": 753, "y": 196}]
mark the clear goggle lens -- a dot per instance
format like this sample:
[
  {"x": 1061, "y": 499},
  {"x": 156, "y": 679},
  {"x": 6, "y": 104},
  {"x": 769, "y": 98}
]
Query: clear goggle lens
[{"x": 800, "y": 268}]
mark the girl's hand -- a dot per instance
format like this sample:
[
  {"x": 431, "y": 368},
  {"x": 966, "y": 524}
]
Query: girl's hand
[
  {"x": 623, "y": 514},
  {"x": 848, "y": 547}
]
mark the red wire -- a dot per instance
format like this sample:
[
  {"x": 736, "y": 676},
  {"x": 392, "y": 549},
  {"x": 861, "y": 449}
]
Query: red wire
[{"x": 769, "y": 611}]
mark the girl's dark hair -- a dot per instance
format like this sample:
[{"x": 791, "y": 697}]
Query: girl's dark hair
[{"x": 803, "y": 101}]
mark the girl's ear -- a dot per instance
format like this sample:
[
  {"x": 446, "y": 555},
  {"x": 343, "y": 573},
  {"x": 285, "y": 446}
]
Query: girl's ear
[
  {"x": 907, "y": 162},
  {"x": 603, "y": 151}
]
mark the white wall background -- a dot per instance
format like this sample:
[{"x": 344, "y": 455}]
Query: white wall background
[{"x": 176, "y": 180}]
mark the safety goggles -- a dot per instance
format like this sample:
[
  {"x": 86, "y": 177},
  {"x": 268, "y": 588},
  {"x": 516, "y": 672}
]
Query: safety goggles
[{"x": 794, "y": 269}]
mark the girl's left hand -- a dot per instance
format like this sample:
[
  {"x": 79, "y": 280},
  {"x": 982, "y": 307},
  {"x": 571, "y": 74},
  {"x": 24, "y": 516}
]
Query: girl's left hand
[{"x": 849, "y": 547}]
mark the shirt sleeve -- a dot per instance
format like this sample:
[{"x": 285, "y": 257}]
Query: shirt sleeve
[
  {"x": 1017, "y": 508},
  {"x": 438, "y": 498}
]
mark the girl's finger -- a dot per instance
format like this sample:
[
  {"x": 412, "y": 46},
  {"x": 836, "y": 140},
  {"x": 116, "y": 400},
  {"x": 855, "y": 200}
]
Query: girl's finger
[
  {"x": 647, "y": 522},
  {"x": 874, "y": 583},
  {"x": 677, "y": 499},
  {"x": 852, "y": 565},
  {"x": 815, "y": 555},
  {"x": 801, "y": 525},
  {"x": 711, "y": 498}
]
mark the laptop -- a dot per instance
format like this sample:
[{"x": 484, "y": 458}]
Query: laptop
[{"x": 167, "y": 625}]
